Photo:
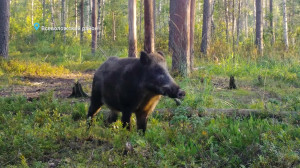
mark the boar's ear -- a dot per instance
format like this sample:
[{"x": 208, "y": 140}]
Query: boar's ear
[
  {"x": 161, "y": 53},
  {"x": 145, "y": 59}
]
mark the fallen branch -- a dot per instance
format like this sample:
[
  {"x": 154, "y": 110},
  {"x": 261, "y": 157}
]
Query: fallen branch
[
  {"x": 229, "y": 112},
  {"x": 169, "y": 113}
]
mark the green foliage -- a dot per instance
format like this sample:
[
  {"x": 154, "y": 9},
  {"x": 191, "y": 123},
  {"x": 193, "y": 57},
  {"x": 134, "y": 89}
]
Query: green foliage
[{"x": 34, "y": 133}]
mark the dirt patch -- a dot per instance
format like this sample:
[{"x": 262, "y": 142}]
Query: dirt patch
[
  {"x": 252, "y": 91},
  {"x": 62, "y": 86}
]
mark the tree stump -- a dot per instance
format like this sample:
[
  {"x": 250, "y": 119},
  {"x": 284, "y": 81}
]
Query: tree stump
[
  {"x": 77, "y": 91},
  {"x": 232, "y": 83}
]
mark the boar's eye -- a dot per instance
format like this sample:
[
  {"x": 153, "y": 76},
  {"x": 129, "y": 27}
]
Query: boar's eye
[{"x": 161, "y": 79}]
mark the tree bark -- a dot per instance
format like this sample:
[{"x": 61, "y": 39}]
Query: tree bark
[
  {"x": 180, "y": 36},
  {"x": 32, "y": 6},
  {"x": 76, "y": 13},
  {"x": 102, "y": 20},
  {"x": 226, "y": 20},
  {"x": 259, "y": 29},
  {"x": 271, "y": 23},
  {"x": 213, "y": 26},
  {"x": 63, "y": 21},
  {"x": 132, "y": 38},
  {"x": 44, "y": 10},
  {"x": 205, "y": 27},
  {"x": 238, "y": 23},
  {"x": 4, "y": 27},
  {"x": 99, "y": 19},
  {"x": 81, "y": 21},
  {"x": 285, "y": 25},
  {"x": 192, "y": 25},
  {"x": 66, "y": 10},
  {"x": 246, "y": 20},
  {"x": 141, "y": 11},
  {"x": 149, "y": 45},
  {"x": 154, "y": 15},
  {"x": 233, "y": 25},
  {"x": 52, "y": 18},
  {"x": 159, "y": 13},
  {"x": 87, "y": 23},
  {"x": 94, "y": 26},
  {"x": 114, "y": 26}
]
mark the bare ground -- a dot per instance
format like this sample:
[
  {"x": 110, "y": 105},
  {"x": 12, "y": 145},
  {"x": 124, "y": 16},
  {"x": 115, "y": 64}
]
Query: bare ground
[{"x": 62, "y": 86}]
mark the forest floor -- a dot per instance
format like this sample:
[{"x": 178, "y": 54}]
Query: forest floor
[
  {"x": 32, "y": 87},
  {"x": 41, "y": 127}
]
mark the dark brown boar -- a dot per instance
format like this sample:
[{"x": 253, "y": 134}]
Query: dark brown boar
[{"x": 132, "y": 85}]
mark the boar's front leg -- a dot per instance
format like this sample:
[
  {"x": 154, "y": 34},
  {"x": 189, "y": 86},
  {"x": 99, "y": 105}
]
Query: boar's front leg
[{"x": 141, "y": 121}]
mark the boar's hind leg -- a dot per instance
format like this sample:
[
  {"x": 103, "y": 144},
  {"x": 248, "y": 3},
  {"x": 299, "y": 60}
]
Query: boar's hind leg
[
  {"x": 112, "y": 117},
  {"x": 126, "y": 119},
  {"x": 96, "y": 103}
]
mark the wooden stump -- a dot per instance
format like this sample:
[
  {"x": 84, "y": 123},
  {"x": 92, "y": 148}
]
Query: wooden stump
[
  {"x": 77, "y": 91},
  {"x": 232, "y": 83}
]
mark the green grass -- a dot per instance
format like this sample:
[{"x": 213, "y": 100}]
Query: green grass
[{"x": 36, "y": 133}]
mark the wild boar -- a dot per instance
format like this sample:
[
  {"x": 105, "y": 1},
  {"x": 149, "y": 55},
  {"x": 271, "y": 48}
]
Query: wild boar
[{"x": 132, "y": 85}]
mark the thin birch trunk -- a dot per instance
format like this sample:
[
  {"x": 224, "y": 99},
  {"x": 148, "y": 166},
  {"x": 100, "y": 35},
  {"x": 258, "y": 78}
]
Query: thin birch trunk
[
  {"x": 285, "y": 25},
  {"x": 132, "y": 37}
]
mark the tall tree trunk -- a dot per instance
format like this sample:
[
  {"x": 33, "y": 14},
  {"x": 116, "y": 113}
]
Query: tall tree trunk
[
  {"x": 180, "y": 36},
  {"x": 32, "y": 6},
  {"x": 238, "y": 22},
  {"x": 94, "y": 26},
  {"x": 52, "y": 18},
  {"x": 63, "y": 21},
  {"x": 292, "y": 18},
  {"x": 259, "y": 29},
  {"x": 192, "y": 25},
  {"x": 87, "y": 22},
  {"x": 158, "y": 13},
  {"x": 226, "y": 20},
  {"x": 4, "y": 27},
  {"x": 132, "y": 38},
  {"x": 285, "y": 25},
  {"x": 213, "y": 27},
  {"x": 81, "y": 21},
  {"x": 271, "y": 23},
  {"x": 102, "y": 20},
  {"x": 66, "y": 10},
  {"x": 44, "y": 10},
  {"x": 149, "y": 26},
  {"x": 246, "y": 19},
  {"x": 99, "y": 19},
  {"x": 76, "y": 23},
  {"x": 114, "y": 26},
  {"x": 154, "y": 15},
  {"x": 205, "y": 27},
  {"x": 141, "y": 11},
  {"x": 233, "y": 25}
]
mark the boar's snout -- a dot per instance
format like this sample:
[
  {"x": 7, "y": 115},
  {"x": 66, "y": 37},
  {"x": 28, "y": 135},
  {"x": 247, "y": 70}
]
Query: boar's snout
[
  {"x": 180, "y": 94},
  {"x": 173, "y": 91}
]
